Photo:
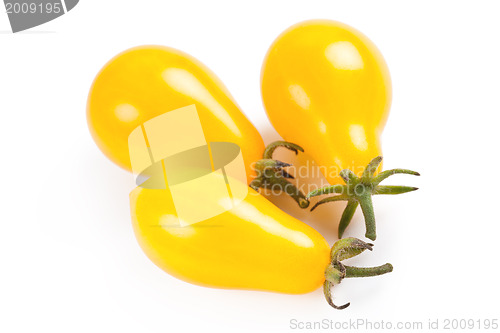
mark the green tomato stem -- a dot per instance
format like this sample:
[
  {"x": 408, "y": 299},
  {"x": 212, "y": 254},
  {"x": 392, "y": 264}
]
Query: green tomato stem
[
  {"x": 366, "y": 204},
  {"x": 352, "y": 272},
  {"x": 336, "y": 271},
  {"x": 269, "y": 151},
  {"x": 347, "y": 215},
  {"x": 271, "y": 173},
  {"x": 327, "y": 291},
  {"x": 360, "y": 190}
]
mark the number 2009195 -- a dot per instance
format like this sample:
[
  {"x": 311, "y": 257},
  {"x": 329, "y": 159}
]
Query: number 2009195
[
  {"x": 470, "y": 324},
  {"x": 33, "y": 8}
]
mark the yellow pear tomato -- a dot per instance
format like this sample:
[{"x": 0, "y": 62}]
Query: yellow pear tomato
[
  {"x": 253, "y": 246},
  {"x": 326, "y": 87},
  {"x": 144, "y": 82}
]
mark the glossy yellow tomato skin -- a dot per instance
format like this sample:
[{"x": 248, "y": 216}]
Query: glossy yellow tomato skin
[
  {"x": 254, "y": 246},
  {"x": 326, "y": 87},
  {"x": 144, "y": 82}
]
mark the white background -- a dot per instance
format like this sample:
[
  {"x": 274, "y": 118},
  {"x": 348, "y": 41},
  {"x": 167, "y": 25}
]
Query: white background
[{"x": 69, "y": 259}]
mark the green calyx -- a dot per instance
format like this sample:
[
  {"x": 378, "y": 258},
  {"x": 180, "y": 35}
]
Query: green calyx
[
  {"x": 272, "y": 175},
  {"x": 359, "y": 191},
  {"x": 336, "y": 271}
]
